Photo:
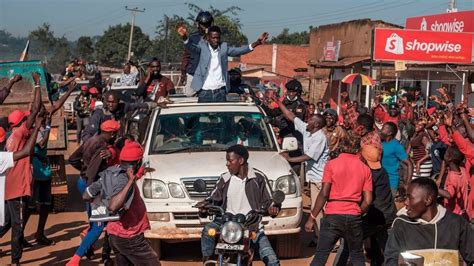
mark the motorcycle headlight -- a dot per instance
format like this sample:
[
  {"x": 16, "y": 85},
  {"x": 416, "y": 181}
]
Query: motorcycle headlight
[
  {"x": 155, "y": 189},
  {"x": 176, "y": 190},
  {"x": 286, "y": 184},
  {"x": 231, "y": 232}
]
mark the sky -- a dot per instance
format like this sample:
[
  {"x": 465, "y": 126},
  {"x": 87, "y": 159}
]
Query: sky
[{"x": 73, "y": 19}]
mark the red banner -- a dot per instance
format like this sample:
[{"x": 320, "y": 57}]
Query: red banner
[
  {"x": 422, "y": 46},
  {"x": 449, "y": 22}
]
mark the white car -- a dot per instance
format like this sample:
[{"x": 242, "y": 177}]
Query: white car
[{"x": 187, "y": 141}]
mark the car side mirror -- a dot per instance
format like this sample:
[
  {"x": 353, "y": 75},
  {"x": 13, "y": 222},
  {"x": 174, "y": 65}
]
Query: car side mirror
[
  {"x": 278, "y": 196},
  {"x": 199, "y": 185},
  {"x": 289, "y": 144}
]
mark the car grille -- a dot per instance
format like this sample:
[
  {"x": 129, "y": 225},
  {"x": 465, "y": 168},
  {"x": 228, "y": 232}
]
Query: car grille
[
  {"x": 210, "y": 185},
  {"x": 185, "y": 215}
]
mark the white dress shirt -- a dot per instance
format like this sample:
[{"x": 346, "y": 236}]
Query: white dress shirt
[{"x": 215, "y": 79}]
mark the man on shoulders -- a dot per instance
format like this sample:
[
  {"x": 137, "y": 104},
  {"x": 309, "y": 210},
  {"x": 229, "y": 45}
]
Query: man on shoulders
[{"x": 210, "y": 79}]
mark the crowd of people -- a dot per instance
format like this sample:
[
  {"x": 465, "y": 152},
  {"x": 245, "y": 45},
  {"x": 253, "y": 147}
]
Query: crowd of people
[{"x": 358, "y": 163}]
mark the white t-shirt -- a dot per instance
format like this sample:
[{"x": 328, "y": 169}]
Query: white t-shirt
[
  {"x": 6, "y": 161},
  {"x": 237, "y": 201},
  {"x": 315, "y": 146}
]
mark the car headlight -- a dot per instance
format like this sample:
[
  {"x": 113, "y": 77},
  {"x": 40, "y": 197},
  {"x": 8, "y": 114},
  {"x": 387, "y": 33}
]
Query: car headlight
[
  {"x": 286, "y": 184},
  {"x": 176, "y": 190},
  {"x": 155, "y": 189},
  {"x": 231, "y": 232}
]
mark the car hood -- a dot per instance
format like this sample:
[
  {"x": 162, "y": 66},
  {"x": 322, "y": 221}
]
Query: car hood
[{"x": 172, "y": 167}]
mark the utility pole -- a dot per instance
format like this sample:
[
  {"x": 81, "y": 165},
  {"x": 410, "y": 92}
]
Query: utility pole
[
  {"x": 134, "y": 12},
  {"x": 166, "y": 38},
  {"x": 452, "y": 6}
]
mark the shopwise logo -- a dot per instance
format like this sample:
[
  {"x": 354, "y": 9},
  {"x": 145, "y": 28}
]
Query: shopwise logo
[{"x": 396, "y": 45}]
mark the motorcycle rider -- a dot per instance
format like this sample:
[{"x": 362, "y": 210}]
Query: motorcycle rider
[
  {"x": 240, "y": 190},
  {"x": 190, "y": 60}
]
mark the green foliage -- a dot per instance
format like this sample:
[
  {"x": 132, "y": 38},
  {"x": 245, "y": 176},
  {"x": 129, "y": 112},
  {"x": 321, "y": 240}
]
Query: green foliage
[
  {"x": 10, "y": 46},
  {"x": 295, "y": 38},
  {"x": 42, "y": 41},
  {"x": 44, "y": 45},
  {"x": 62, "y": 54},
  {"x": 226, "y": 19},
  {"x": 112, "y": 47},
  {"x": 84, "y": 48},
  {"x": 170, "y": 49}
]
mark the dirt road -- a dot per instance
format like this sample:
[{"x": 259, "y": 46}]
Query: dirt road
[{"x": 64, "y": 228}]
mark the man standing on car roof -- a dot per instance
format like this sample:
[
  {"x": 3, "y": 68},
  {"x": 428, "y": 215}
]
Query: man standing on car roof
[{"x": 190, "y": 59}]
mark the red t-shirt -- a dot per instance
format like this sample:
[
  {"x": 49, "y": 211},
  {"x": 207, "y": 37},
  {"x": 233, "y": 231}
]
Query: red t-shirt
[
  {"x": 19, "y": 179},
  {"x": 349, "y": 177},
  {"x": 133, "y": 222},
  {"x": 164, "y": 86},
  {"x": 456, "y": 185}
]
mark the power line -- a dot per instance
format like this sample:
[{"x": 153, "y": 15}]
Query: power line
[
  {"x": 315, "y": 21},
  {"x": 322, "y": 14}
]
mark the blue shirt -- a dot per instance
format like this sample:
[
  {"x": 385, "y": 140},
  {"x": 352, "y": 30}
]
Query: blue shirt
[
  {"x": 315, "y": 146},
  {"x": 393, "y": 154}
]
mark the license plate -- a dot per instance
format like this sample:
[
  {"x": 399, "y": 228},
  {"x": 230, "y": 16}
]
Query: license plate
[{"x": 229, "y": 246}]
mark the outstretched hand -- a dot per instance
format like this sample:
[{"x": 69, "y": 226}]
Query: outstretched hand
[
  {"x": 263, "y": 38},
  {"x": 182, "y": 31}
]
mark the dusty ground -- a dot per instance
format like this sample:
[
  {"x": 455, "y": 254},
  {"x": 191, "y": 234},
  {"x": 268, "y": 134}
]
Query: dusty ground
[{"x": 64, "y": 228}]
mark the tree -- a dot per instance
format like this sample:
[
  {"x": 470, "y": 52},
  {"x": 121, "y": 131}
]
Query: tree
[
  {"x": 42, "y": 41},
  {"x": 84, "y": 48},
  {"x": 112, "y": 47},
  {"x": 295, "y": 38},
  {"x": 227, "y": 19},
  {"x": 168, "y": 46},
  {"x": 10, "y": 46},
  {"x": 61, "y": 55}
]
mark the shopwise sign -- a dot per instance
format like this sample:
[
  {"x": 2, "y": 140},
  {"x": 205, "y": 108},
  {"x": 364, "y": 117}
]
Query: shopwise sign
[
  {"x": 422, "y": 46},
  {"x": 449, "y": 22}
]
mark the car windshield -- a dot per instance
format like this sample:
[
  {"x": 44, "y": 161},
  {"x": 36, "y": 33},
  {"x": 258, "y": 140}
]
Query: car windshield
[{"x": 210, "y": 131}]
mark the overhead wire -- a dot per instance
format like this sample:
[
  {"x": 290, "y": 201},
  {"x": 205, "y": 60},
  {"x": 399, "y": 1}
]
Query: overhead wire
[{"x": 319, "y": 19}]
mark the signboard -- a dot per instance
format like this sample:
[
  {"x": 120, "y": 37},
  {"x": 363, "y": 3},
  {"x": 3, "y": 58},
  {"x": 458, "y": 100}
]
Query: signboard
[
  {"x": 331, "y": 51},
  {"x": 422, "y": 46},
  {"x": 400, "y": 66},
  {"x": 449, "y": 22}
]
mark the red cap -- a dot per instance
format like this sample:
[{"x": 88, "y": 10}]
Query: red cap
[
  {"x": 16, "y": 117},
  {"x": 131, "y": 151},
  {"x": 3, "y": 134},
  {"x": 110, "y": 126},
  {"x": 93, "y": 90},
  {"x": 84, "y": 88}
]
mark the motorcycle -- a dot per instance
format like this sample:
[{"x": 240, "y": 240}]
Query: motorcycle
[{"x": 234, "y": 237}]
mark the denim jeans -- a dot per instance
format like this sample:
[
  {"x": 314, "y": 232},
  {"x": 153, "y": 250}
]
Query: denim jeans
[
  {"x": 95, "y": 228},
  {"x": 212, "y": 96},
  {"x": 334, "y": 227},
  {"x": 378, "y": 236},
  {"x": 261, "y": 243}
]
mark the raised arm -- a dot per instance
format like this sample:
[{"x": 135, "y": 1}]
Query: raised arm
[
  {"x": 58, "y": 104},
  {"x": 5, "y": 91},
  {"x": 36, "y": 101},
  {"x": 287, "y": 113}
]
